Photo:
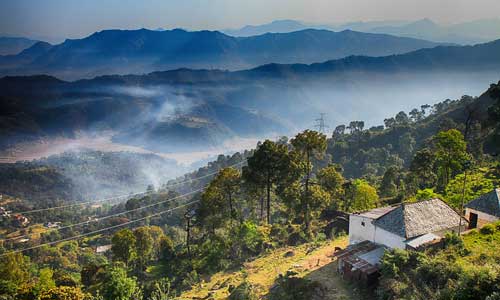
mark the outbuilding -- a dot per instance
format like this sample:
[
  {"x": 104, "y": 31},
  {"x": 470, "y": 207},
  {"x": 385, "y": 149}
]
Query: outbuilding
[{"x": 484, "y": 209}]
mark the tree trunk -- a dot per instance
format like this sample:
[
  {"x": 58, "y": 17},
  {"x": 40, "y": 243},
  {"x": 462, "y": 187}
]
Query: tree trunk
[
  {"x": 262, "y": 206},
  {"x": 231, "y": 206},
  {"x": 188, "y": 238},
  {"x": 268, "y": 187},
  {"x": 306, "y": 198}
]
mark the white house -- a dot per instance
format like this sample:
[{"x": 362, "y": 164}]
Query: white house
[
  {"x": 403, "y": 226},
  {"x": 102, "y": 249},
  {"x": 484, "y": 209}
]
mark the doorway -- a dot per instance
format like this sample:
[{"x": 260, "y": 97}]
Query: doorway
[{"x": 472, "y": 220}]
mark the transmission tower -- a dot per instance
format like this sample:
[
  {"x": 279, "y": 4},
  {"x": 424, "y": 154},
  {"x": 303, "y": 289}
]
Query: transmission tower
[{"x": 320, "y": 123}]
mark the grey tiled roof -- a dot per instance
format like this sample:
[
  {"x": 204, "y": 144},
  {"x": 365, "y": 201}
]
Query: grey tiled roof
[
  {"x": 376, "y": 212},
  {"x": 487, "y": 203},
  {"x": 414, "y": 219}
]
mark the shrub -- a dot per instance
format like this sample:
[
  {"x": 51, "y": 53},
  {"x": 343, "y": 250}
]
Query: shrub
[
  {"x": 452, "y": 239},
  {"x": 7, "y": 287},
  {"x": 476, "y": 284},
  {"x": 243, "y": 292},
  {"x": 161, "y": 290},
  {"x": 63, "y": 293},
  {"x": 296, "y": 236},
  {"x": 248, "y": 238},
  {"x": 291, "y": 287},
  {"x": 494, "y": 296},
  {"x": 118, "y": 286},
  {"x": 65, "y": 280},
  {"x": 213, "y": 254},
  {"x": 487, "y": 229},
  {"x": 279, "y": 234},
  {"x": 191, "y": 279}
]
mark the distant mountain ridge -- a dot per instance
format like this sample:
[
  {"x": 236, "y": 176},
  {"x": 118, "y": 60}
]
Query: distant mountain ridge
[
  {"x": 144, "y": 51},
  {"x": 442, "y": 58},
  {"x": 479, "y": 31},
  {"x": 278, "y": 26},
  {"x": 472, "y": 32},
  {"x": 14, "y": 45}
]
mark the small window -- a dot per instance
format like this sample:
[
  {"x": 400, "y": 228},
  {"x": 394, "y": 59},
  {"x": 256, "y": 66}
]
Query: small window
[{"x": 363, "y": 223}]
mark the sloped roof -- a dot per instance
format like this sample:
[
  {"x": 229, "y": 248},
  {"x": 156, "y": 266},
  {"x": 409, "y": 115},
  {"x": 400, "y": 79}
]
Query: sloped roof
[
  {"x": 376, "y": 212},
  {"x": 422, "y": 240},
  {"x": 488, "y": 203},
  {"x": 415, "y": 219},
  {"x": 364, "y": 256},
  {"x": 102, "y": 249}
]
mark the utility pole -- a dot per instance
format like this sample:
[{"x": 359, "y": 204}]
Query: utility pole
[
  {"x": 320, "y": 123},
  {"x": 467, "y": 165},
  {"x": 188, "y": 216}
]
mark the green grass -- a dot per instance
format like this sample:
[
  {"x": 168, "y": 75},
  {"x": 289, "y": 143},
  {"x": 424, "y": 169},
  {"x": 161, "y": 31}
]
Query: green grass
[{"x": 484, "y": 248}]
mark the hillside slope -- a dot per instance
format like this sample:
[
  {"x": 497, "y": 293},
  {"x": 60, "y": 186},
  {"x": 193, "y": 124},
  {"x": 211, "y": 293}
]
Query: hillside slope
[{"x": 311, "y": 262}]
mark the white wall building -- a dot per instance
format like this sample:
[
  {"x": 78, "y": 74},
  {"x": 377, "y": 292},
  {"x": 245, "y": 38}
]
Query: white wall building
[
  {"x": 405, "y": 225},
  {"x": 483, "y": 210}
]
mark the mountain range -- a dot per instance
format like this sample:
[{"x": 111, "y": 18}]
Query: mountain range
[
  {"x": 472, "y": 32},
  {"x": 143, "y": 51},
  {"x": 195, "y": 109},
  {"x": 14, "y": 45}
]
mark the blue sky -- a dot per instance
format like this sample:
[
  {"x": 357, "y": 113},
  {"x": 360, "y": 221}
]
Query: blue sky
[{"x": 78, "y": 18}]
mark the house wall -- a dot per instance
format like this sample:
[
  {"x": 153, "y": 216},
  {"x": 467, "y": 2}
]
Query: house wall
[
  {"x": 359, "y": 232},
  {"x": 442, "y": 233},
  {"x": 482, "y": 218},
  {"x": 369, "y": 232},
  {"x": 389, "y": 239}
]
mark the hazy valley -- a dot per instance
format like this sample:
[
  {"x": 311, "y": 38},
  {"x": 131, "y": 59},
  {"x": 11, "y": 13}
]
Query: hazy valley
[{"x": 326, "y": 159}]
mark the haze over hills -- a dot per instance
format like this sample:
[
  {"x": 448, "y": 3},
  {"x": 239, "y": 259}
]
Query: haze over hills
[
  {"x": 463, "y": 33},
  {"x": 278, "y": 26},
  {"x": 14, "y": 45},
  {"x": 143, "y": 51},
  {"x": 473, "y": 32},
  {"x": 285, "y": 26},
  {"x": 183, "y": 110}
]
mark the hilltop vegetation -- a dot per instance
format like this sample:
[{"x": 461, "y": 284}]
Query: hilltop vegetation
[
  {"x": 466, "y": 269},
  {"x": 288, "y": 195}
]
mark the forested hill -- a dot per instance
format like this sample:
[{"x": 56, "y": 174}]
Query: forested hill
[
  {"x": 368, "y": 152},
  {"x": 83, "y": 175},
  {"x": 451, "y": 58}
]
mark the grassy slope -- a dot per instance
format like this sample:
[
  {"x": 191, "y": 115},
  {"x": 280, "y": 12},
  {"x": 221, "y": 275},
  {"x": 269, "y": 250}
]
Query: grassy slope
[
  {"x": 308, "y": 261},
  {"x": 484, "y": 248}
]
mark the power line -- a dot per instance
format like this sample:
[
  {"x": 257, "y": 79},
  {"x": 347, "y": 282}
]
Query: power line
[
  {"x": 321, "y": 123},
  {"x": 116, "y": 197},
  {"x": 76, "y": 204},
  {"x": 100, "y": 230},
  {"x": 109, "y": 216},
  {"x": 121, "y": 213}
]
